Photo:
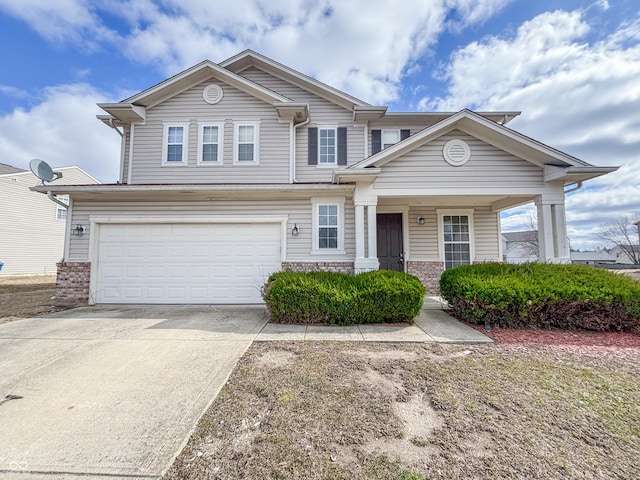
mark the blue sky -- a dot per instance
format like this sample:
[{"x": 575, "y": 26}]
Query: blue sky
[{"x": 572, "y": 67}]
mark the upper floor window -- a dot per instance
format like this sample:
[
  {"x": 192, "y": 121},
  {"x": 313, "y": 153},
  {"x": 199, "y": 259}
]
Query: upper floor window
[
  {"x": 174, "y": 147},
  {"x": 61, "y": 212},
  {"x": 327, "y": 146},
  {"x": 245, "y": 148},
  {"x": 390, "y": 137},
  {"x": 210, "y": 143}
]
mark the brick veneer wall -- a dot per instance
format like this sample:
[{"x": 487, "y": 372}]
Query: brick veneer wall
[
  {"x": 428, "y": 273},
  {"x": 72, "y": 283},
  {"x": 345, "y": 267}
]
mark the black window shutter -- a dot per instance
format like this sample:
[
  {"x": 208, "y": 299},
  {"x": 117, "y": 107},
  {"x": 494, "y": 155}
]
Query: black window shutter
[
  {"x": 404, "y": 134},
  {"x": 312, "y": 132},
  {"x": 376, "y": 141},
  {"x": 342, "y": 145}
]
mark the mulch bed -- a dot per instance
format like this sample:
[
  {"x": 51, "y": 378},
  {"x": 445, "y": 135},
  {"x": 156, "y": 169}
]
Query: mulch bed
[{"x": 617, "y": 344}]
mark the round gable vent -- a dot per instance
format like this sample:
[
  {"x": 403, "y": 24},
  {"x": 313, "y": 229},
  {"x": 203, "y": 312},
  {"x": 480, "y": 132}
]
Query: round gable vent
[
  {"x": 456, "y": 152},
  {"x": 212, "y": 94}
]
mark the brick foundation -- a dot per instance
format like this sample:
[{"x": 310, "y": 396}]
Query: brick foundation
[
  {"x": 344, "y": 267},
  {"x": 428, "y": 273},
  {"x": 72, "y": 284}
]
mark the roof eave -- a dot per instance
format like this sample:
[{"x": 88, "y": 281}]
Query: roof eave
[
  {"x": 125, "y": 113},
  {"x": 351, "y": 176}
]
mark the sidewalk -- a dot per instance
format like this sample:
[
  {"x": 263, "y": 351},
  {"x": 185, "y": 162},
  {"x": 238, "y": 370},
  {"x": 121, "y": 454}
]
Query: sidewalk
[{"x": 432, "y": 325}]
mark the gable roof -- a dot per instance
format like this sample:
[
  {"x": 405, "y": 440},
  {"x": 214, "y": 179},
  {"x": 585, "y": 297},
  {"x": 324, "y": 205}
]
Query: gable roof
[
  {"x": 132, "y": 109},
  {"x": 8, "y": 169},
  {"x": 557, "y": 165},
  {"x": 249, "y": 58}
]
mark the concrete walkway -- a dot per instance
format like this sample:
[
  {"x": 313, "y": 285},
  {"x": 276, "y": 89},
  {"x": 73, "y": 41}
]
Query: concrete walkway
[{"x": 432, "y": 325}]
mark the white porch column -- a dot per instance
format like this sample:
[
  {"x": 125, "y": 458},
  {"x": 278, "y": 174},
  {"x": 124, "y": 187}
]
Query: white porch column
[
  {"x": 364, "y": 196},
  {"x": 372, "y": 232},
  {"x": 560, "y": 240},
  {"x": 545, "y": 232},
  {"x": 359, "y": 232}
]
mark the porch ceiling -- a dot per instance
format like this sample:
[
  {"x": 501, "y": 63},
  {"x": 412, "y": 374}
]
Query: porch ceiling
[{"x": 496, "y": 202}]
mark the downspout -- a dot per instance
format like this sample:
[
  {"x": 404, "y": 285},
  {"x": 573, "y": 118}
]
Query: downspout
[
  {"x": 121, "y": 133},
  {"x": 577, "y": 187},
  {"x": 54, "y": 199},
  {"x": 293, "y": 148}
]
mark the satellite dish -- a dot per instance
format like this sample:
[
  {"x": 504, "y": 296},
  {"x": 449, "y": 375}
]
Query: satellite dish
[{"x": 43, "y": 171}]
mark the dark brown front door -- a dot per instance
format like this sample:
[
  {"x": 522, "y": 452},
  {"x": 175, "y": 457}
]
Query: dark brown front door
[{"x": 390, "y": 250}]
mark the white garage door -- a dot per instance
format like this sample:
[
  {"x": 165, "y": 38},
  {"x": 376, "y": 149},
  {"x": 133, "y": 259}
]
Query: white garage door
[{"x": 185, "y": 263}]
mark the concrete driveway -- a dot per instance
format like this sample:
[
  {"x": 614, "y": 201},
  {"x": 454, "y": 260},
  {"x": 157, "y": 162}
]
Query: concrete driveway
[{"x": 113, "y": 391}]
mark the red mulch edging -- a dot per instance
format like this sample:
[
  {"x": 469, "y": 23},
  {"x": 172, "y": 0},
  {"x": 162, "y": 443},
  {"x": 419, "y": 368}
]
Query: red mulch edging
[{"x": 571, "y": 341}]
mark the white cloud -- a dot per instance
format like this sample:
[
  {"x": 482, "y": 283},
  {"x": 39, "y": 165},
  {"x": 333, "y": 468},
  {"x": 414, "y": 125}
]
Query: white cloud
[
  {"x": 62, "y": 129},
  {"x": 580, "y": 97}
]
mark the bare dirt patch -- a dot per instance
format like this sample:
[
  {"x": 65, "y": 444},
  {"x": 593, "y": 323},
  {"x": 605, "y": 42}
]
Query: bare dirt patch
[
  {"x": 26, "y": 296},
  {"x": 340, "y": 410}
]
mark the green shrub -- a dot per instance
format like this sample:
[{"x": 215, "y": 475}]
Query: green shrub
[
  {"x": 543, "y": 295},
  {"x": 338, "y": 298}
]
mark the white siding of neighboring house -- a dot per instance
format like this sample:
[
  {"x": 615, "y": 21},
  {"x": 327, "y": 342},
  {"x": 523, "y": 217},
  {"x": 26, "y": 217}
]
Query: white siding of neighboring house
[
  {"x": 321, "y": 112},
  {"x": 488, "y": 167},
  {"x": 190, "y": 107},
  {"x": 31, "y": 237},
  {"x": 298, "y": 211}
]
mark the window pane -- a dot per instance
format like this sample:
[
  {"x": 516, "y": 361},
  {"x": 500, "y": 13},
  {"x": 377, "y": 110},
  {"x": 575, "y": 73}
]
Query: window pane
[
  {"x": 245, "y": 134},
  {"x": 175, "y": 135},
  {"x": 389, "y": 137},
  {"x": 210, "y": 153},
  {"x": 457, "y": 247},
  {"x": 327, "y": 146},
  {"x": 245, "y": 153},
  {"x": 174, "y": 153},
  {"x": 210, "y": 134},
  {"x": 328, "y": 237}
]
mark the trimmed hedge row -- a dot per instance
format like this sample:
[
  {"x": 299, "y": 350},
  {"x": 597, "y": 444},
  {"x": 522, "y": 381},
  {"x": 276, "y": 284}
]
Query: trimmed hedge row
[
  {"x": 342, "y": 299},
  {"x": 543, "y": 296}
]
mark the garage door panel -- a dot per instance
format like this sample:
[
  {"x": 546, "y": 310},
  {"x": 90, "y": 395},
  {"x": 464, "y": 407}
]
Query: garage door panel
[{"x": 203, "y": 263}]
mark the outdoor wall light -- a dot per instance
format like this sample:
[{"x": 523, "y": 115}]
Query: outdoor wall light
[
  {"x": 78, "y": 230},
  {"x": 295, "y": 230},
  {"x": 421, "y": 220}
]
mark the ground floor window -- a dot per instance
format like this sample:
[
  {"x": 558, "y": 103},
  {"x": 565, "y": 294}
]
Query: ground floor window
[{"x": 456, "y": 239}]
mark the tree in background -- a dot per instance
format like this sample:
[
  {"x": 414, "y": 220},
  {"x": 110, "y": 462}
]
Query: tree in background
[{"x": 623, "y": 233}]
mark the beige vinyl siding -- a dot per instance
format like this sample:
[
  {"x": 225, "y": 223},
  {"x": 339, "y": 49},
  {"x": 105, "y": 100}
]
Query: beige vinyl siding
[
  {"x": 424, "y": 239},
  {"x": 298, "y": 211},
  {"x": 488, "y": 167},
  {"x": 189, "y": 107},
  {"x": 31, "y": 237},
  {"x": 321, "y": 112}
]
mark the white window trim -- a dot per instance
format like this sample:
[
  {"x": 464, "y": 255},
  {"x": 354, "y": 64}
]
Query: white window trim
[
  {"x": 59, "y": 208},
  {"x": 316, "y": 202},
  {"x": 185, "y": 144},
  {"x": 397, "y": 130},
  {"x": 201, "y": 126},
  {"x": 335, "y": 158},
  {"x": 472, "y": 237},
  {"x": 256, "y": 142}
]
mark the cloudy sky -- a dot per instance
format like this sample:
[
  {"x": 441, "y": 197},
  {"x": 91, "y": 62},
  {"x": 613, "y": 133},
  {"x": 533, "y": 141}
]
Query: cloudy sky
[{"x": 571, "y": 66}]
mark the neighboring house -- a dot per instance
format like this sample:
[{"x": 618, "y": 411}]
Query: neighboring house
[
  {"x": 231, "y": 171},
  {"x": 32, "y": 227},
  {"x": 597, "y": 257},
  {"x": 520, "y": 247}
]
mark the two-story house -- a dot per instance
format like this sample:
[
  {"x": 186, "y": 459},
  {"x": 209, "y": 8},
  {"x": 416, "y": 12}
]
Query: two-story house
[{"x": 231, "y": 171}]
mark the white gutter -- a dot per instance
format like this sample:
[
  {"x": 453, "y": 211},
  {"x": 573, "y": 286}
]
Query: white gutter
[
  {"x": 292, "y": 149},
  {"x": 54, "y": 199},
  {"x": 577, "y": 187}
]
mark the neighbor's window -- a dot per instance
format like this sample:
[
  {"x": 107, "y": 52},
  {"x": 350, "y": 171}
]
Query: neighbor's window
[
  {"x": 210, "y": 143},
  {"x": 246, "y": 143},
  {"x": 174, "y": 149},
  {"x": 61, "y": 212},
  {"x": 326, "y": 146},
  {"x": 390, "y": 137},
  {"x": 457, "y": 240},
  {"x": 328, "y": 221}
]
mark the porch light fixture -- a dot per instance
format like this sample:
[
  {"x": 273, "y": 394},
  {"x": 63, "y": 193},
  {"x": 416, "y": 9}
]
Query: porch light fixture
[
  {"x": 78, "y": 230},
  {"x": 421, "y": 220},
  {"x": 295, "y": 230}
]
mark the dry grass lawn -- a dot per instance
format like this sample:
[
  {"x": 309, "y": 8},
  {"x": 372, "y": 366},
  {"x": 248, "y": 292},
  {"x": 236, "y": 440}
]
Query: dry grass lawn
[
  {"x": 340, "y": 410},
  {"x": 26, "y": 296}
]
